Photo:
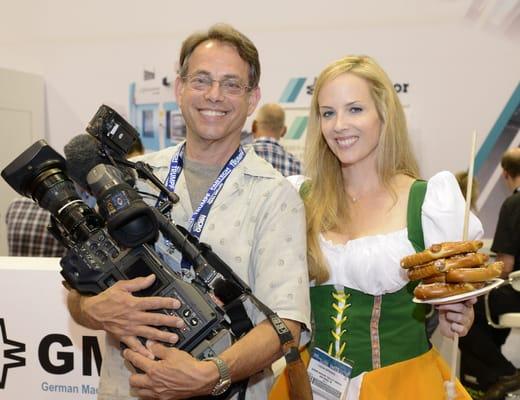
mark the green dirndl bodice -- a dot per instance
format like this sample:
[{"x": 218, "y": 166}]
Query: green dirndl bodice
[{"x": 373, "y": 331}]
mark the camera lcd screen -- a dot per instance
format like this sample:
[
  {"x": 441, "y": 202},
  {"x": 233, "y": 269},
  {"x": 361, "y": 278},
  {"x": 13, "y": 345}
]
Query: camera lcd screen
[{"x": 140, "y": 268}]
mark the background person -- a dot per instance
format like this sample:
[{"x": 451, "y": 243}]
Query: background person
[
  {"x": 27, "y": 233},
  {"x": 462, "y": 180},
  {"x": 481, "y": 355},
  {"x": 268, "y": 128}
]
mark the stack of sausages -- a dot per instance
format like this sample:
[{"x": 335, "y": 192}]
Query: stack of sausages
[{"x": 450, "y": 268}]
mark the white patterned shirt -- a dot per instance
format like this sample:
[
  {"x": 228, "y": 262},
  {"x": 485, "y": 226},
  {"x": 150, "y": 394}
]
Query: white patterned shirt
[{"x": 257, "y": 226}]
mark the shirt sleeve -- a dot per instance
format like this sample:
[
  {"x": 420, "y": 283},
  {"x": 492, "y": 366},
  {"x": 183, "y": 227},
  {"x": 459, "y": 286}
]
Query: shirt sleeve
[
  {"x": 443, "y": 212},
  {"x": 503, "y": 240},
  {"x": 280, "y": 262},
  {"x": 296, "y": 181}
]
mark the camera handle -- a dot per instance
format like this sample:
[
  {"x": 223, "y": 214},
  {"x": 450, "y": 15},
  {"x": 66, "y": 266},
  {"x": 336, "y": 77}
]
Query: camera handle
[{"x": 144, "y": 171}]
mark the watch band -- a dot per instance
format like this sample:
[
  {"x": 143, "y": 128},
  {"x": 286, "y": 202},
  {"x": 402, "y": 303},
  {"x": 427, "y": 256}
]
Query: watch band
[{"x": 224, "y": 381}]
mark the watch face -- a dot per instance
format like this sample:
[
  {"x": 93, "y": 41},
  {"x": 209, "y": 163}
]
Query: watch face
[
  {"x": 221, "y": 387},
  {"x": 224, "y": 381}
]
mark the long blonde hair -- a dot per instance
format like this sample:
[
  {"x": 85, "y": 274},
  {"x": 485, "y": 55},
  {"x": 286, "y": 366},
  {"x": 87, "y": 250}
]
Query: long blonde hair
[{"x": 325, "y": 200}]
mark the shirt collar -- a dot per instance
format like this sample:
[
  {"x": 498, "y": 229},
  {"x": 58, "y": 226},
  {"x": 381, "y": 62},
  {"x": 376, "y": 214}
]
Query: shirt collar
[
  {"x": 267, "y": 139},
  {"x": 255, "y": 165}
]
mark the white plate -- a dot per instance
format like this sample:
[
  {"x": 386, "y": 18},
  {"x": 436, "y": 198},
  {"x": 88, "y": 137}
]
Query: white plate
[{"x": 462, "y": 296}]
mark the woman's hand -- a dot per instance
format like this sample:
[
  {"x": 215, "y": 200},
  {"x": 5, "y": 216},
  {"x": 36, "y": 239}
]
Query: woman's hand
[{"x": 456, "y": 317}]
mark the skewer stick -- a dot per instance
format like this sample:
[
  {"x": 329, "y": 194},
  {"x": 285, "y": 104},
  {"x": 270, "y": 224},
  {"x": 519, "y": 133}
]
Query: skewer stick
[{"x": 469, "y": 187}]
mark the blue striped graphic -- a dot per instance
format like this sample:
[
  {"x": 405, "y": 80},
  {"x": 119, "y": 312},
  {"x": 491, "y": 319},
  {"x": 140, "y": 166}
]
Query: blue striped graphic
[
  {"x": 297, "y": 128},
  {"x": 491, "y": 140},
  {"x": 292, "y": 90}
]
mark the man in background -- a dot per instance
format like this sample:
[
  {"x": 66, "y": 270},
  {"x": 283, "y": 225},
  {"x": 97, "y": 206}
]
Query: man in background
[
  {"x": 481, "y": 348},
  {"x": 137, "y": 149},
  {"x": 27, "y": 234},
  {"x": 268, "y": 128},
  {"x": 506, "y": 243}
]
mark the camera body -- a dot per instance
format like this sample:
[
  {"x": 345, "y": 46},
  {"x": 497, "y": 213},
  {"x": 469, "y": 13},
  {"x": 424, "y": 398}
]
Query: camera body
[
  {"x": 98, "y": 263},
  {"x": 112, "y": 130}
]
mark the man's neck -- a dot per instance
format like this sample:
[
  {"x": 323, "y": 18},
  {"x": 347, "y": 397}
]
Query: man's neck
[
  {"x": 514, "y": 183},
  {"x": 266, "y": 134},
  {"x": 216, "y": 152}
]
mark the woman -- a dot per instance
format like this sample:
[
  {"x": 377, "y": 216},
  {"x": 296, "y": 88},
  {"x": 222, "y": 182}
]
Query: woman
[{"x": 360, "y": 202}]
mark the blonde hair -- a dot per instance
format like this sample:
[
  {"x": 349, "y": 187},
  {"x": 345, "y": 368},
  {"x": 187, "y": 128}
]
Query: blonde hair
[
  {"x": 462, "y": 180},
  {"x": 325, "y": 200}
]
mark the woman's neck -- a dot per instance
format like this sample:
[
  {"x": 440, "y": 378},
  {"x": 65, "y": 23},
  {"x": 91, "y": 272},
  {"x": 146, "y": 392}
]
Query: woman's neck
[{"x": 359, "y": 182}]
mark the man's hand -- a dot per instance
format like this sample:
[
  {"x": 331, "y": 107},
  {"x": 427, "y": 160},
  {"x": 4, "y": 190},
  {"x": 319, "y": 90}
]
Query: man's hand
[
  {"x": 174, "y": 375},
  {"x": 126, "y": 316},
  {"x": 177, "y": 375},
  {"x": 509, "y": 262},
  {"x": 456, "y": 318}
]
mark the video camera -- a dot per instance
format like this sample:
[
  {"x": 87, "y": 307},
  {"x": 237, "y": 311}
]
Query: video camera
[{"x": 118, "y": 244}]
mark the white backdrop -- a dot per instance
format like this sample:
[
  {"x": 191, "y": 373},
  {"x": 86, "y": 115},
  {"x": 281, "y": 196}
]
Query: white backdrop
[
  {"x": 461, "y": 72},
  {"x": 459, "y": 58}
]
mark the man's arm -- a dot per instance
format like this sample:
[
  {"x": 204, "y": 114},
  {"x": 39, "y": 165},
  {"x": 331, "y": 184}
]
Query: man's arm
[
  {"x": 509, "y": 262},
  {"x": 176, "y": 374},
  {"x": 503, "y": 243}
]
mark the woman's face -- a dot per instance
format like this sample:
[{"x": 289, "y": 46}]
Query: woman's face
[{"x": 349, "y": 120}]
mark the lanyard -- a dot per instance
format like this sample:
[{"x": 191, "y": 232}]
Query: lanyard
[{"x": 200, "y": 215}]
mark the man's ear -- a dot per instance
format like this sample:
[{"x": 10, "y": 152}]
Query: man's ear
[
  {"x": 254, "y": 98},
  {"x": 284, "y": 131},
  {"x": 179, "y": 84}
]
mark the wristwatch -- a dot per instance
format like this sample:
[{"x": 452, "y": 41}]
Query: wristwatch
[{"x": 224, "y": 381}]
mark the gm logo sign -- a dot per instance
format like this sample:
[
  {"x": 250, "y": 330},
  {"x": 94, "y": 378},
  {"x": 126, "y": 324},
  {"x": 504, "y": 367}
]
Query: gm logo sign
[
  {"x": 52, "y": 355},
  {"x": 9, "y": 359}
]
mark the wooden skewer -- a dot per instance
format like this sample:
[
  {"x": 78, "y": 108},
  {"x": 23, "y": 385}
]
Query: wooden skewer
[{"x": 469, "y": 188}]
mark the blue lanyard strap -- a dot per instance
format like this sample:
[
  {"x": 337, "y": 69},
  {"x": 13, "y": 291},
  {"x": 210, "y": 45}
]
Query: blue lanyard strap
[{"x": 200, "y": 215}]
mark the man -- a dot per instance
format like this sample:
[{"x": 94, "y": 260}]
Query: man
[
  {"x": 27, "y": 233},
  {"x": 506, "y": 243},
  {"x": 256, "y": 225},
  {"x": 268, "y": 128},
  {"x": 492, "y": 370}
]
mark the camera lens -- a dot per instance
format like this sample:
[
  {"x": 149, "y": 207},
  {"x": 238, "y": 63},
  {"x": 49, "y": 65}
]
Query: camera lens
[
  {"x": 38, "y": 173},
  {"x": 53, "y": 190}
]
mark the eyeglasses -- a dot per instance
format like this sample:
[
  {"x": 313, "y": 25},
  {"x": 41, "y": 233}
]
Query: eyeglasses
[{"x": 228, "y": 86}]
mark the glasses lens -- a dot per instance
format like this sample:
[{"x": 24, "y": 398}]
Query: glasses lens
[
  {"x": 232, "y": 86},
  {"x": 200, "y": 82}
]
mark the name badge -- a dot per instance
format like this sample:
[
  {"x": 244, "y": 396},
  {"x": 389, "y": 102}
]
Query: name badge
[{"x": 329, "y": 376}]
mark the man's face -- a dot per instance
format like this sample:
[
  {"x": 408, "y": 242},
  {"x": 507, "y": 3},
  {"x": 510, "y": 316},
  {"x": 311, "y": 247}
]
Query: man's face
[{"x": 212, "y": 115}]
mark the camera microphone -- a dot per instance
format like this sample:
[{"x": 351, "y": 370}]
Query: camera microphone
[{"x": 83, "y": 154}]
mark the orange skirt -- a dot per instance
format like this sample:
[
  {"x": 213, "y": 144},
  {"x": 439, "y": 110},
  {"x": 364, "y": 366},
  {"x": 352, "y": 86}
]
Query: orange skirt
[{"x": 421, "y": 377}]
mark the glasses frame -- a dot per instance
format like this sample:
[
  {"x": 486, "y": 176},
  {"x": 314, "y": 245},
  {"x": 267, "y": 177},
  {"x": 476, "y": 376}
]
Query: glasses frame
[{"x": 188, "y": 81}]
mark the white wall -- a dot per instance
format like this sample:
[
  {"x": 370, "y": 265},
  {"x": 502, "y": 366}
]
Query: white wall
[{"x": 461, "y": 72}]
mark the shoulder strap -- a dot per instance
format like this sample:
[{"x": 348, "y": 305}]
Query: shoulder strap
[
  {"x": 305, "y": 188},
  {"x": 414, "y": 221}
]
